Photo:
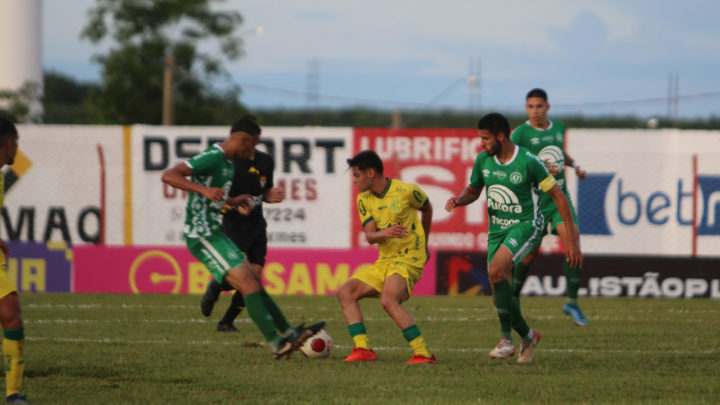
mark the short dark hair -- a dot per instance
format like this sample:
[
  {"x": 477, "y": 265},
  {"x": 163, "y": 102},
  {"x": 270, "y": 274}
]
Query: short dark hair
[
  {"x": 537, "y": 92},
  {"x": 7, "y": 129},
  {"x": 247, "y": 124},
  {"x": 365, "y": 160},
  {"x": 495, "y": 123}
]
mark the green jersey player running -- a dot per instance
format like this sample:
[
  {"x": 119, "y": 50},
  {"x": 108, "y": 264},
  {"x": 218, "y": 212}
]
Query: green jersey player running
[
  {"x": 211, "y": 174},
  {"x": 511, "y": 175},
  {"x": 546, "y": 139}
]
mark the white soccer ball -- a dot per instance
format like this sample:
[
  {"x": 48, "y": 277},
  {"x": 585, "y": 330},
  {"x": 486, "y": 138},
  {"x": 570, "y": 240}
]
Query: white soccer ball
[{"x": 318, "y": 345}]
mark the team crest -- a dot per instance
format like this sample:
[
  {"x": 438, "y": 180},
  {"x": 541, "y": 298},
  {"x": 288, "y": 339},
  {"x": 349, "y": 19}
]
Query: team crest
[
  {"x": 395, "y": 206},
  {"x": 263, "y": 180},
  {"x": 516, "y": 178}
]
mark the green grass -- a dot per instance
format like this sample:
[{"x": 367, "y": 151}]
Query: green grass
[{"x": 123, "y": 349}]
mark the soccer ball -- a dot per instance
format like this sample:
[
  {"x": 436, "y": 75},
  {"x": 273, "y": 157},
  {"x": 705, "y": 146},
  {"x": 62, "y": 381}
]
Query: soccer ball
[{"x": 318, "y": 345}]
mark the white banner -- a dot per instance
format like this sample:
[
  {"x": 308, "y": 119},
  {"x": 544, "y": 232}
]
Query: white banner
[
  {"x": 54, "y": 187},
  {"x": 309, "y": 165}
]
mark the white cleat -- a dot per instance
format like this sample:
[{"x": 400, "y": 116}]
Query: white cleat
[
  {"x": 503, "y": 350},
  {"x": 526, "y": 349}
]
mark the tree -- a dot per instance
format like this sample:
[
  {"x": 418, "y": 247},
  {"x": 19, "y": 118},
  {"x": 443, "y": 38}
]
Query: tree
[
  {"x": 146, "y": 31},
  {"x": 66, "y": 100},
  {"x": 17, "y": 105}
]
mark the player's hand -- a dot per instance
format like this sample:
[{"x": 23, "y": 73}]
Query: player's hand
[
  {"x": 574, "y": 256},
  {"x": 213, "y": 193},
  {"x": 451, "y": 204},
  {"x": 582, "y": 174},
  {"x": 275, "y": 195},
  {"x": 395, "y": 231},
  {"x": 552, "y": 168},
  {"x": 4, "y": 248}
]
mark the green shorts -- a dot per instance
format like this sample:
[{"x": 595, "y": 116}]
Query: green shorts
[
  {"x": 217, "y": 252},
  {"x": 553, "y": 217},
  {"x": 521, "y": 239}
]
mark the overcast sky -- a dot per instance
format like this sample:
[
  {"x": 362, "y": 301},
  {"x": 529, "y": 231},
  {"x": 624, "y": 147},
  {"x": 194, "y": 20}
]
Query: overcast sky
[{"x": 591, "y": 56}]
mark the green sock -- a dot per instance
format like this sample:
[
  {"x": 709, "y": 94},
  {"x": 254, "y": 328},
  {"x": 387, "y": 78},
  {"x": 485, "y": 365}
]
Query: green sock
[
  {"x": 278, "y": 317},
  {"x": 518, "y": 321},
  {"x": 503, "y": 303},
  {"x": 261, "y": 316},
  {"x": 573, "y": 278},
  {"x": 519, "y": 276}
]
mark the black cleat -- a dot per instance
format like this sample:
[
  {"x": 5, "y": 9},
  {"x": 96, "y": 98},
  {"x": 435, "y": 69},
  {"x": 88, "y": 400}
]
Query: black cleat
[
  {"x": 16, "y": 399},
  {"x": 208, "y": 301},
  {"x": 226, "y": 327}
]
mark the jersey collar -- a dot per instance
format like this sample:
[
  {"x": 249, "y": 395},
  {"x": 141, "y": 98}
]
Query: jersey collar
[
  {"x": 515, "y": 153},
  {"x": 541, "y": 129},
  {"x": 217, "y": 145},
  {"x": 387, "y": 187}
]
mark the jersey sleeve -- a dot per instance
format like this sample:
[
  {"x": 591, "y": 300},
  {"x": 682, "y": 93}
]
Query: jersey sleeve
[
  {"x": 269, "y": 183},
  {"x": 418, "y": 199},
  {"x": 516, "y": 137},
  {"x": 363, "y": 210},
  {"x": 540, "y": 173},
  {"x": 476, "y": 179},
  {"x": 205, "y": 161}
]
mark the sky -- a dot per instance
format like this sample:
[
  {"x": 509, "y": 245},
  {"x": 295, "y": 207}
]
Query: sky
[{"x": 609, "y": 57}]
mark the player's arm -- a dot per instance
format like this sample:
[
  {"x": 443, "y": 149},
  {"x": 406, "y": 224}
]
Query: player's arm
[
  {"x": 178, "y": 177},
  {"x": 272, "y": 194},
  {"x": 426, "y": 214},
  {"x": 569, "y": 161},
  {"x": 374, "y": 236},
  {"x": 572, "y": 246},
  {"x": 467, "y": 196},
  {"x": 4, "y": 248}
]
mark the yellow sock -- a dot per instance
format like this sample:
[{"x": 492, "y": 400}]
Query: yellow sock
[
  {"x": 14, "y": 351},
  {"x": 362, "y": 341},
  {"x": 418, "y": 346}
]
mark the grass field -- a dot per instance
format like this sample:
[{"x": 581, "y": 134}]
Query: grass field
[{"x": 127, "y": 349}]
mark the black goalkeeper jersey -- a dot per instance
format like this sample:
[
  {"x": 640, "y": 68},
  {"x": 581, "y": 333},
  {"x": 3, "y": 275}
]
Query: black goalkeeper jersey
[{"x": 251, "y": 177}]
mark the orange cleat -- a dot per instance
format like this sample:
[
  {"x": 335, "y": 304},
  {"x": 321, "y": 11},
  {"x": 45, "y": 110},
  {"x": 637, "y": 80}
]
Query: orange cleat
[
  {"x": 420, "y": 359},
  {"x": 360, "y": 354}
]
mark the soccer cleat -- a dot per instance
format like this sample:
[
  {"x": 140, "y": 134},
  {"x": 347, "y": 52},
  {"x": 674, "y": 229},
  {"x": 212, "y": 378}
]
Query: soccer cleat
[
  {"x": 526, "y": 349},
  {"x": 291, "y": 343},
  {"x": 420, "y": 359},
  {"x": 314, "y": 328},
  {"x": 574, "y": 311},
  {"x": 226, "y": 327},
  {"x": 360, "y": 354},
  {"x": 208, "y": 301},
  {"x": 503, "y": 350},
  {"x": 16, "y": 399}
]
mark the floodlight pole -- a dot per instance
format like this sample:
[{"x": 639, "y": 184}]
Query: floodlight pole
[{"x": 167, "y": 107}]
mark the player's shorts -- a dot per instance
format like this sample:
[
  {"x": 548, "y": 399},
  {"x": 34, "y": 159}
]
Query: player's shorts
[
  {"x": 521, "y": 239},
  {"x": 375, "y": 275},
  {"x": 6, "y": 286},
  {"x": 553, "y": 217},
  {"x": 217, "y": 252},
  {"x": 250, "y": 237}
]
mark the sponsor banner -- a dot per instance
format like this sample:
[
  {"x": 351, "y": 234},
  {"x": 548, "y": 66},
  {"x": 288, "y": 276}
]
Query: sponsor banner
[
  {"x": 53, "y": 190},
  {"x": 465, "y": 273},
  {"x": 173, "y": 270},
  {"x": 638, "y": 197},
  {"x": 309, "y": 166},
  {"x": 40, "y": 267}
]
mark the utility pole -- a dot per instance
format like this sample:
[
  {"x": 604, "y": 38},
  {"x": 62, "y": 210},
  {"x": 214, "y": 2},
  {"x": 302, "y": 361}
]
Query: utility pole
[{"x": 167, "y": 107}]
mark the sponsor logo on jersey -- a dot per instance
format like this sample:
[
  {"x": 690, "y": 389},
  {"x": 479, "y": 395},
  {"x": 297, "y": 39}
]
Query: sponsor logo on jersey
[
  {"x": 486, "y": 173},
  {"x": 500, "y": 174},
  {"x": 513, "y": 242},
  {"x": 253, "y": 170},
  {"x": 361, "y": 208},
  {"x": 534, "y": 141},
  {"x": 552, "y": 155},
  {"x": 501, "y": 198},
  {"x": 418, "y": 196}
]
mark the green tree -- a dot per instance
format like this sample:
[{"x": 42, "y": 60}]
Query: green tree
[
  {"x": 17, "y": 105},
  {"x": 146, "y": 31},
  {"x": 66, "y": 100}
]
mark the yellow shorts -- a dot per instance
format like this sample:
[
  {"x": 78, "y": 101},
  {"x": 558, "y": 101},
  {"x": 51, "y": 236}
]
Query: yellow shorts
[
  {"x": 375, "y": 275},
  {"x": 6, "y": 286}
]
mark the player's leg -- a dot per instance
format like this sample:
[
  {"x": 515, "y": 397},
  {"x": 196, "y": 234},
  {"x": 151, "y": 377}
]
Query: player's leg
[
  {"x": 212, "y": 293},
  {"x": 13, "y": 340},
  {"x": 500, "y": 269},
  {"x": 520, "y": 272},
  {"x": 395, "y": 292},
  {"x": 349, "y": 296},
  {"x": 573, "y": 277}
]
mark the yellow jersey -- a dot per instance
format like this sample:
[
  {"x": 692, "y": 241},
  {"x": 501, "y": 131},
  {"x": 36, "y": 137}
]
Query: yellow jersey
[{"x": 397, "y": 205}]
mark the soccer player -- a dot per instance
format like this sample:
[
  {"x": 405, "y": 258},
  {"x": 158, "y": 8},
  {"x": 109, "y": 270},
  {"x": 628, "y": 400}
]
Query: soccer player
[
  {"x": 211, "y": 176},
  {"x": 546, "y": 138},
  {"x": 511, "y": 174},
  {"x": 388, "y": 212},
  {"x": 253, "y": 176},
  {"x": 13, "y": 344}
]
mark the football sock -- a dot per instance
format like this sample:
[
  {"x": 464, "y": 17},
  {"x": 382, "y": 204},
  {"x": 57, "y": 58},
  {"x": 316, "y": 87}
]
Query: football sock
[
  {"x": 359, "y": 335},
  {"x": 502, "y": 293},
  {"x": 518, "y": 321},
  {"x": 261, "y": 316},
  {"x": 215, "y": 287},
  {"x": 236, "y": 306},
  {"x": 278, "y": 317},
  {"x": 519, "y": 276},
  {"x": 573, "y": 278},
  {"x": 414, "y": 337},
  {"x": 14, "y": 350},
  {"x": 529, "y": 336}
]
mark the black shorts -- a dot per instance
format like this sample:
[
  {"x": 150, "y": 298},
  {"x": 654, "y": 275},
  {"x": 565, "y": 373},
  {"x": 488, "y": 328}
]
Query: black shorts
[{"x": 250, "y": 237}]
